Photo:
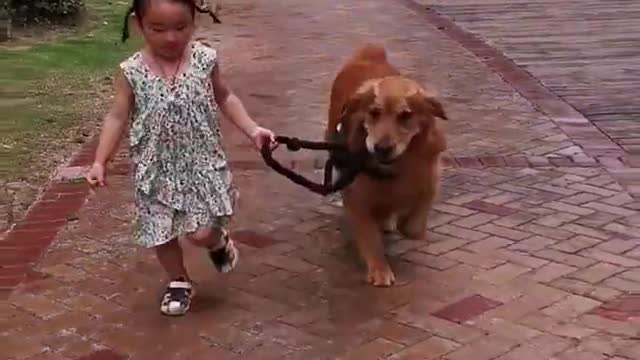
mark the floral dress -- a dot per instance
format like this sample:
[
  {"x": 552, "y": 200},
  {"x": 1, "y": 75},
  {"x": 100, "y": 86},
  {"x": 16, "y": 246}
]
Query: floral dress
[{"x": 182, "y": 179}]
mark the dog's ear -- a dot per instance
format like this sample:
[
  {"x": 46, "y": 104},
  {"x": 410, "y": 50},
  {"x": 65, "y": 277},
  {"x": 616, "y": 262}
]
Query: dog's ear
[
  {"x": 360, "y": 101},
  {"x": 353, "y": 115},
  {"x": 427, "y": 105}
]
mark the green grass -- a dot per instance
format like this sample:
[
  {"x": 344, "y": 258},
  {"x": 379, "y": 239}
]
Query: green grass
[{"x": 50, "y": 87}]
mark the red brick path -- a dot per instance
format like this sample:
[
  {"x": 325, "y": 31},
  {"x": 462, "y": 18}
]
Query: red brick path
[
  {"x": 583, "y": 51},
  {"x": 533, "y": 248}
]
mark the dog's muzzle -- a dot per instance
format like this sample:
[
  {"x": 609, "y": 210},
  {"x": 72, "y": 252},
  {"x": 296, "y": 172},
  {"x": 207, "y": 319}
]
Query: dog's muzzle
[{"x": 384, "y": 154}]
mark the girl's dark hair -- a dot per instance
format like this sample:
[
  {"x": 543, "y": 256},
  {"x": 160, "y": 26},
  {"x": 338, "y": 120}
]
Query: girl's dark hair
[{"x": 139, "y": 7}]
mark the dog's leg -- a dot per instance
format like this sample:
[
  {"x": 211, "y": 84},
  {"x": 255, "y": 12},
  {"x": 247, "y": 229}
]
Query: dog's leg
[
  {"x": 413, "y": 224},
  {"x": 368, "y": 237}
]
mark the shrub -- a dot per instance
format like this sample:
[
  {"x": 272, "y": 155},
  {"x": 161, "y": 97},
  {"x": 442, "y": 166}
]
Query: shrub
[
  {"x": 4, "y": 9},
  {"x": 46, "y": 11}
]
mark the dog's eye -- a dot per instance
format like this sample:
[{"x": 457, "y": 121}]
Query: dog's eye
[
  {"x": 375, "y": 113},
  {"x": 404, "y": 116}
]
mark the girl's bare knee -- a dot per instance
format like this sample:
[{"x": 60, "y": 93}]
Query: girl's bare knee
[{"x": 205, "y": 237}]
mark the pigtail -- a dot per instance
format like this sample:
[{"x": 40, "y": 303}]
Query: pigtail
[
  {"x": 125, "y": 28},
  {"x": 204, "y": 9}
]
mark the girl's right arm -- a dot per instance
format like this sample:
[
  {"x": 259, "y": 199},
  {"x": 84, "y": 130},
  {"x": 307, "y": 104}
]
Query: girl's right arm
[{"x": 115, "y": 122}]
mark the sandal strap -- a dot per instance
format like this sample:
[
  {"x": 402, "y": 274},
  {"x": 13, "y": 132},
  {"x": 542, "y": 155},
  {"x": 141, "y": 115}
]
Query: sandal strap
[
  {"x": 178, "y": 291},
  {"x": 180, "y": 285}
]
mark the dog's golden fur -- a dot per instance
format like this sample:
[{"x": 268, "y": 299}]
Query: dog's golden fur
[{"x": 394, "y": 118}]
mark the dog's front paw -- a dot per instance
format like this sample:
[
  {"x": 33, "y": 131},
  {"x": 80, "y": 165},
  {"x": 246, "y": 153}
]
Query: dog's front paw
[{"x": 380, "y": 276}]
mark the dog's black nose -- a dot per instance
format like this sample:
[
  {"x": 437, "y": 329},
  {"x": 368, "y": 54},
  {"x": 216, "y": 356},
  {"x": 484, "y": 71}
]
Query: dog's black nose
[{"x": 383, "y": 151}]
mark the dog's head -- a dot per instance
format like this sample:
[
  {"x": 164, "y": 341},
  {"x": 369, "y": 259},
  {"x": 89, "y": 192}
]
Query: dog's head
[{"x": 385, "y": 115}]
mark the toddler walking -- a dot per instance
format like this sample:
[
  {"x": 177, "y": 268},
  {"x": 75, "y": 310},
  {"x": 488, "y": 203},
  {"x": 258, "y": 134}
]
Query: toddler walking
[{"x": 168, "y": 95}]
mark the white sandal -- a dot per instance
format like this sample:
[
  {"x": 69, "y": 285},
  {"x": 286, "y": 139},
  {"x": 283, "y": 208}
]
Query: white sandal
[{"x": 176, "y": 300}]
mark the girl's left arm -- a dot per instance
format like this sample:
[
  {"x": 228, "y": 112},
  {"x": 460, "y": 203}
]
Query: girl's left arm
[{"x": 234, "y": 110}]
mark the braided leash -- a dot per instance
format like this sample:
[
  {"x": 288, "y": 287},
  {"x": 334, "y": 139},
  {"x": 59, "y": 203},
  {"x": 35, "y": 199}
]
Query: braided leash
[{"x": 350, "y": 164}]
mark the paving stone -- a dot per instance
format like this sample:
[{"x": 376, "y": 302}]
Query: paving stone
[
  {"x": 432, "y": 348},
  {"x": 563, "y": 207},
  {"x": 515, "y": 220},
  {"x": 570, "y": 307},
  {"x": 610, "y": 209},
  {"x": 580, "y": 199},
  {"x": 475, "y": 220},
  {"x": 586, "y": 231},
  {"x": 610, "y": 258},
  {"x": 429, "y": 260},
  {"x": 457, "y": 332},
  {"x": 557, "y": 219},
  {"x": 402, "y": 334},
  {"x": 604, "y": 343},
  {"x": 506, "y": 329},
  {"x": 617, "y": 246},
  {"x": 484, "y": 261},
  {"x": 576, "y": 244},
  {"x": 103, "y": 355},
  {"x": 593, "y": 190},
  {"x": 466, "y": 309},
  {"x": 519, "y": 258},
  {"x": 22, "y": 348},
  {"x": 544, "y": 346},
  {"x": 552, "y": 271},
  {"x": 454, "y": 210},
  {"x": 631, "y": 352},
  {"x": 461, "y": 233},
  {"x": 602, "y": 293},
  {"x": 533, "y": 243},
  {"x": 503, "y": 273},
  {"x": 444, "y": 246},
  {"x": 623, "y": 284},
  {"x": 554, "y": 233},
  {"x": 568, "y": 259},
  {"x": 377, "y": 349},
  {"x": 507, "y": 233},
  {"x": 488, "y": 245},
  {"x": 489, "y": 208},
  {"x": 607, "y": 326},
  {"x": 484, "y": 348}
]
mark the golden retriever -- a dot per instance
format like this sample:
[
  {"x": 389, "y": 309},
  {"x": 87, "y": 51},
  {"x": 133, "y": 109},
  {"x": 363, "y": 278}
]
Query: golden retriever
[{"x": 393, "y": 119}]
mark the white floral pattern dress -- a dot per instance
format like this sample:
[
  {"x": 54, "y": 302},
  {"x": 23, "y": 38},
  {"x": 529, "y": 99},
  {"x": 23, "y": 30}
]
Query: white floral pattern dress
[{"x": 181, "y": 175}]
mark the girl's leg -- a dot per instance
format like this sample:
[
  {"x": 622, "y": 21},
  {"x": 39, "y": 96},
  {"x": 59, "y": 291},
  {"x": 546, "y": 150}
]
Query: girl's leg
[
  {"x": 170, "y": 258},
  {"x": 155, "y": 224},
  {"x": 222, "y": 251},
  {"x": 207, "y": 237},
  {"x": 177, "y": 297}
]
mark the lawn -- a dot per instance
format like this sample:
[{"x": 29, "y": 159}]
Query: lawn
[{"x": 52, "y": 91}]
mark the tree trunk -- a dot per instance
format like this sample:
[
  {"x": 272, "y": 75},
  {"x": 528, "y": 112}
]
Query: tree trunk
[{"x": 5, "y": 30}]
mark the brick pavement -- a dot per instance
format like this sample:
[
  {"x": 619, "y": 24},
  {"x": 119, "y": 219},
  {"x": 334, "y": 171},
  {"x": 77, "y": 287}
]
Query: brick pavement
[
  {"x": 584, "y": 51},
  {"x": 523, "y": 261}
]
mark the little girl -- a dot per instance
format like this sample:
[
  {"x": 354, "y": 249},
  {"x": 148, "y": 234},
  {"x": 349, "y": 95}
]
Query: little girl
[{"x": 168, "y": 94}]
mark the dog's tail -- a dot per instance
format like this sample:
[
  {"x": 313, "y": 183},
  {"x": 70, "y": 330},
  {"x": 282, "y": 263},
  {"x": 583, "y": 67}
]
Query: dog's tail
[{"x": 371, "y": 52}]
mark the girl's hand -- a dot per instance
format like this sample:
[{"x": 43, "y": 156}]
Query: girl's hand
[
  {"x": 96, "y": 175},
  {"x": 261, "y": 137}
]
